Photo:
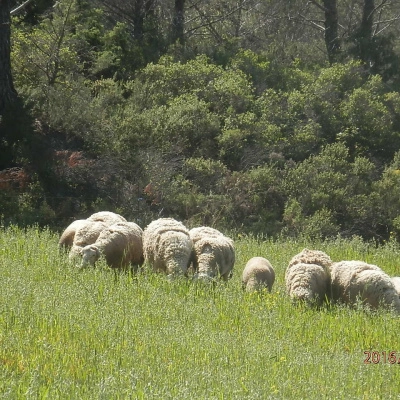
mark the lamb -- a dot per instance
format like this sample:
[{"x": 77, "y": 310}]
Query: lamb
[
  {"x": 307, "y": 277},
  {"x": 67, "y": 237},
  {"x": 214, "y": 254},
  {"x": 356, "y": 280},
  {"x": 167, "y": 247},
  {"x": 121, "y": 245},
  {"x": 85, "y": 235},
  {"x": 107, "y": 217},
  {"x": 258, "y": 273}
]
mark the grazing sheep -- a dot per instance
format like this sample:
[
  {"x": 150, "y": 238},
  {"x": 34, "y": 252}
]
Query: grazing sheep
[
  {"x": 120, "y": 244},
  {"x": 214, "y": 253},
  {"x": 258, "y": 273},
  {"x": 307, "y": 282},
  {"x": 396, "y": 283},
  {"x": 167, "y": 246},
  {"x": 107, "y": 217},
  {"x": 85, "y": 235},
  {"x": 354, "y": 281},
  {"x": 67, "y": 237},
  {"x": 307, "y": 276},
  {"x": 315, "y": 257}
]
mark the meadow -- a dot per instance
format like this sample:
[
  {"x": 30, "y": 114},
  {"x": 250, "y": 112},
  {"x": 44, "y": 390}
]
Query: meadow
[{"x": 67, "y": 333}]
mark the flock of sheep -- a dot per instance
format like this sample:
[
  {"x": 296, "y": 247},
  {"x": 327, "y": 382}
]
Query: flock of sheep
[
  {"x": 165, "y": 244},
  {"x": 168, "y": 247},
  {"x": 313, "y": 277}
]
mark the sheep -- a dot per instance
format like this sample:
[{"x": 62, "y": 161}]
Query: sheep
[
  {"x": 307, "y": 276},
  {"x": 316, "y": 257},
  {"x": 307, "y": 282},
  {"x": 396, "y": 282},
  {"x": 258, "y": 273},
  {"x": 214, "y": 254},
  {"x": 85, "y": 235},
  {"x": 356, "y": 280},
  {"x": 167, "y": 247},
  {"x": 67, "y": 237},
  {"x": 120, "y": 244},
  {"x": 107, "y": 217}
]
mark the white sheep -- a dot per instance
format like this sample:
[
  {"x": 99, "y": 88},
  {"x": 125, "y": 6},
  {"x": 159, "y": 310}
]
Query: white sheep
[
  {"x": 396, "y": 283},
  {"x": 214, "y": 253},
  {"x": 307, "y": 276},
  {"x": 167, "y": 246},
  {"x": 85, "y": 235},
  {"x": 316, "y": 257},
  {"x": 258, "y": 273},
  {"x": 67, "y": 237},
  {"x": 354, "y": 281},
  {"x": 307, "y": 282},
  {"x": 107, "y": 217},
  {"x": 120, "y": 244}
]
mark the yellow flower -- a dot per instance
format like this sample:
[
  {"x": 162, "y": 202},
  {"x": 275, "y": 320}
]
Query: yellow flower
[{"x": 274, "y": 389}]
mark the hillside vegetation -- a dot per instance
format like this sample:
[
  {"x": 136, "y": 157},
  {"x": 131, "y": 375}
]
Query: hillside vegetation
[{"x": 232, "y": 122}]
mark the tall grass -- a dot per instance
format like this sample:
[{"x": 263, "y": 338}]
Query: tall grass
[{"x": 96, "y": 334}]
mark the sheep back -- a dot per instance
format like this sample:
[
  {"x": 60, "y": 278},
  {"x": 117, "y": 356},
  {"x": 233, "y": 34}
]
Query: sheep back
[
  {"x": 200, "y": 232},
  {"x": 342, "y": 274},
  {"x": 121, "y": 244},
  {"x": 67, "y": 237},
  {"x": 258, "y": 273},
  {"x": 396, "y": 283},
  {"x": 213, "y": 253},
  {"x": 316, "y": 257},
  {"x": 107, "y": 217},
  {"x": 356, "y": 280}
]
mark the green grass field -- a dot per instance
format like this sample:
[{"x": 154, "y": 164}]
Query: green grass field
[{"x": 67, "y": 333}]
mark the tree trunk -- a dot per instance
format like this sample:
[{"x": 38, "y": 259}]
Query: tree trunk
[
  {"x": 7, "y": 92},
  {"x": 138, "y": 20},
  {"x": 332, "y": 41},
  {"x": 365, "y": 31},
  {"x": 178, "y": 22}
]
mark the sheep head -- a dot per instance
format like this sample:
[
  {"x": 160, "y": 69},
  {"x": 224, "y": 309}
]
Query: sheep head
[{"x": 90, "y": 254}]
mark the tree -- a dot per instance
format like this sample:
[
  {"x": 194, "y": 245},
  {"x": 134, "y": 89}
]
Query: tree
[
  {"x": 332, "y": 41},
  {"x": 178, "y": 22},
  {"x": 134, "y": 13},
  {"x": 367, "y": 31},
  {"x": 8, "y": 94}
]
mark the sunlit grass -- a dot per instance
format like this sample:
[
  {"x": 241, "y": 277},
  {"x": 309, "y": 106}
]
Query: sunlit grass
[{"x": 93, "y": 333}]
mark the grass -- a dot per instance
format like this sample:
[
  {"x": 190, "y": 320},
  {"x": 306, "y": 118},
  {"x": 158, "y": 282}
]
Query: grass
[{"x": 95, "y": 334}]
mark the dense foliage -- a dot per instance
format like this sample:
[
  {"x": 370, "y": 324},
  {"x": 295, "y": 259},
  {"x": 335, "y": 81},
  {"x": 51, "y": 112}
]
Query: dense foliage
[{"x": 237, "y": 127}]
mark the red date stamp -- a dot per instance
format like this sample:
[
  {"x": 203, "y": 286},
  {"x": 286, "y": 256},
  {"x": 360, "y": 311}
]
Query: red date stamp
[{"x": 381, "y": 357}]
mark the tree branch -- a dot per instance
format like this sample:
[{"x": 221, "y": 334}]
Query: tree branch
[
  {"x": 321, "y": 7},
  {"x": 20, "y": 7}
]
